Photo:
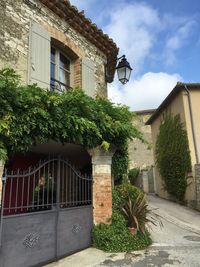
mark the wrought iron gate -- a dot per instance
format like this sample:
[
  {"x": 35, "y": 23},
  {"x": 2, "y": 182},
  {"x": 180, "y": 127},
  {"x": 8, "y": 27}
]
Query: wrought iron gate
[{"x": 46, "y": 213}]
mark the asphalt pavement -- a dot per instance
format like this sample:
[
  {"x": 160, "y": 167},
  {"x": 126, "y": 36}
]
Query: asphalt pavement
[{"x": 177, "y": 243}]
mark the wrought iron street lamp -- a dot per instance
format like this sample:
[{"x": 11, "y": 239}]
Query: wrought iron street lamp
[{"x": 123, "y": 70}]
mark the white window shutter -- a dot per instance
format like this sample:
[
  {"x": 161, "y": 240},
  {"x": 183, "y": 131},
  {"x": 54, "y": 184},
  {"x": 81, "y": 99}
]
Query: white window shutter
[
  {"x": 39, "y": 56},
  {"x": 88, "y": 81}
]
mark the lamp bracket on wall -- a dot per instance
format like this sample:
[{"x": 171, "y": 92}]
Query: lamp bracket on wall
[{"x": 123, "y": 69}]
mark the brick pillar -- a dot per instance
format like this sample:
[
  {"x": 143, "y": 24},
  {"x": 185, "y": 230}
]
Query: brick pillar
[
  {"x": 102, "y": 184},
  {"x": 1, "y": 173}
]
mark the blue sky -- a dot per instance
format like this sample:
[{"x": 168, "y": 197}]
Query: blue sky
[{"x": 161, "y": 39}]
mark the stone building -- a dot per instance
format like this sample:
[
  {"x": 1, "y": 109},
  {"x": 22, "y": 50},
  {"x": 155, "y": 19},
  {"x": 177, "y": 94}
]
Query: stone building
[
  {"x": 32, "y": 30},
  {"x": 51, "y": 43},
  {"x": 183, "y": 100},
  {"x": 141, "y": 154}
]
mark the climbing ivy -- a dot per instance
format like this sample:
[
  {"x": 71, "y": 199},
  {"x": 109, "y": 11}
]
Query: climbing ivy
[
  {"x": 120, "y": 163},
  {"x": 30, "y": 115},
  {"x": 173, "y": 156}
]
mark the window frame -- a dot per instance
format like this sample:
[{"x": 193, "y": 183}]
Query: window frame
[{"x": 59, "y": 86}]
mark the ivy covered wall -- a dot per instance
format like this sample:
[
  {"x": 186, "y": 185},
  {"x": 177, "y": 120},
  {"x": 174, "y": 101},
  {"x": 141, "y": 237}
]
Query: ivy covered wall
[
  {"x": 30, "y": 115},
  {"x": 173, "y": 156}
]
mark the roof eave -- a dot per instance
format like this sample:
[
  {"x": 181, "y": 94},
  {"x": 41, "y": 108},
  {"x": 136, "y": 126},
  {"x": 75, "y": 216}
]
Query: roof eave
[
  {"x": 177, "y": 89},
  {"x": 86, "y": 28}
]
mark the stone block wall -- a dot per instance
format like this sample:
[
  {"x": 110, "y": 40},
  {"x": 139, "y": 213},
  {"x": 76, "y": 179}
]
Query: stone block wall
[
  {"x": 139, "y": 154},
  {"x": 15, "y": 17}
]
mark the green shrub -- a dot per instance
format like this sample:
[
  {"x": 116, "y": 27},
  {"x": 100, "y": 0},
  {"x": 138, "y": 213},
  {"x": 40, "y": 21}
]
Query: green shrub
[
  {"x": 133, "y": 174},
  {"x": 121, "y": 194},
  {"x": 116, "y": 237}
]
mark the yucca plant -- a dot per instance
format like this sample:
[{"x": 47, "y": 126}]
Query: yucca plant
[{"x": 139, "y": 214}]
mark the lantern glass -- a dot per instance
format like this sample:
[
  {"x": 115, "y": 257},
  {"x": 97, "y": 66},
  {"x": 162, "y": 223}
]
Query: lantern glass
[
  {"x": 124, "y": 71},
  {"x": 128, "y": 73},
  {"x": 121, "y": 74}
]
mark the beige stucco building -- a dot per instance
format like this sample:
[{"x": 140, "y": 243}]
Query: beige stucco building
[{"x": 184, "y": 99}]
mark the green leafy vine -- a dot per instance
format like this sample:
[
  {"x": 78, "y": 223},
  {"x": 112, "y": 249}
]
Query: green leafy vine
[
  {"x": 30, "y": 115},
  {"x": 173, "y": 156}
]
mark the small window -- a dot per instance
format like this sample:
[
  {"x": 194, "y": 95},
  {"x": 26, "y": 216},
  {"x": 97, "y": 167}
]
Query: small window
[{"x": 60, "y": 71}]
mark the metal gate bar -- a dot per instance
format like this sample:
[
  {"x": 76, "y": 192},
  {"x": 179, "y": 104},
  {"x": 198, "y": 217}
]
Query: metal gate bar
[
  {"x": 36, "y": 188},
  {"x": 52, "y": 197}
]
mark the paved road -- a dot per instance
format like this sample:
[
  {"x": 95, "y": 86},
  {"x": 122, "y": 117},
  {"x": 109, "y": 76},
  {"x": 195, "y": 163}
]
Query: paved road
[
  {"x": 173, "y": 246},
  {"x": 176, "y": 244}
]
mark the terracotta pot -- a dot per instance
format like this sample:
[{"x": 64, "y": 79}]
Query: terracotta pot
[{"x": 132, "y": 230}]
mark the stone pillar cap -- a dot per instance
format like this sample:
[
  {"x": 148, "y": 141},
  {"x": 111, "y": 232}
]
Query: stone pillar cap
[{"x": 101, "y": 156}]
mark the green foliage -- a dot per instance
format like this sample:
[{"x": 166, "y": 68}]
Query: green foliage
[
  {"x": 105, "y": 145},
  {"x": 122, "y": 193},
  {"x": 30, "y": 115},
  {"x": 120, "y": 162},
  {"x": 116, "y": 237},
  {"x": 173, "y": 156},
  {"x": 3, "y": 152},
  {"x": 133, "y": 174}
]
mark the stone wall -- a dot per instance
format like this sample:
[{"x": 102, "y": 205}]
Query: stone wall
[
  {"x": 15, "y": 17},
  {"x": 140, "y": 155}
]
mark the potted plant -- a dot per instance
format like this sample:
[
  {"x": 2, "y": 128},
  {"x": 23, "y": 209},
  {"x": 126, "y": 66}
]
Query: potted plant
[{"x": 139, "y": 214}]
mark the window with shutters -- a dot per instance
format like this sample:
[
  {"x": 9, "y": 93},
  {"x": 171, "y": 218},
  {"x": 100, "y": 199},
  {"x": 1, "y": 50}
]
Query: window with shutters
[
  {"x": 55, "y": 66},
  {"x": 60, "y": 71},
  {"x": 88, "y": 82},
  {"x": 39, "y": 59}
]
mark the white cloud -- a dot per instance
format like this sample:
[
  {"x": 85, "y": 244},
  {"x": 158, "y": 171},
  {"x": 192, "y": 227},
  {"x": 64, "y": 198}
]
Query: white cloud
[
  {"x": 177, "y": 40},
  {"x": 143, "y": 35},
  {"x": 134, "y": 27},
  {"x": 137, "y": 28},
  {"x": 145, "y": 92}
]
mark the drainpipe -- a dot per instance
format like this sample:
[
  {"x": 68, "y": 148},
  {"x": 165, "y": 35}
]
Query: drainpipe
[{"x": 192, "y": 124}]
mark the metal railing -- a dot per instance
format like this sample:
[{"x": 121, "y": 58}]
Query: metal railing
[
  {"x": 58, "y": 86},
  {"x": 53, "y": 183}
]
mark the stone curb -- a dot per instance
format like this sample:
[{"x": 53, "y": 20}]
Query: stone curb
[{"x": 176, "y": 221}]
